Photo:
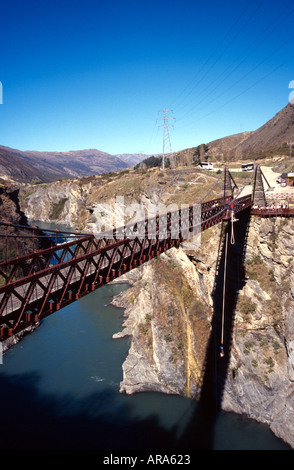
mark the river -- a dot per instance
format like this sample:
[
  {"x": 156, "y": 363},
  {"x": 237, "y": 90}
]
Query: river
[{"x": 60, "y": 391}]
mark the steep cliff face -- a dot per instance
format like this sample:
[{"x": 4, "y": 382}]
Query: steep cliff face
[
  {"x": 87, "y": 203},
  {"x": 168, "y": 313},
  {"x": 61, "y": 201},
  {"x": 16, "y": 243},
  {"x": 260, "y": 380},
  {"x": 169, "y": 310},
  {"x": 169, "y": 323}
]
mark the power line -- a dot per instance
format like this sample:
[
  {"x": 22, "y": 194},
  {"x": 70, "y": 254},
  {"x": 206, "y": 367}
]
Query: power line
[
  {"x": 246, "y": 57},
  {"x": 268, "y": 31},
  {"x": 247, "y": 89},
  {"x": 151, "y": 138},
  {"x": 213, "y": 53},
  {"x": 213, "y": 100},
  {"x": 226, "y": 48}
]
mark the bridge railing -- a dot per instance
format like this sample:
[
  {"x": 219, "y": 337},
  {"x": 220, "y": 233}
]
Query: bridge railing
[
  {"x": 23, "y": 266},
  {"x": 273, "y": 211},
  {"x": 41, "y": 283},
  {"x": 28, "y": 299},
  {"x": 180, "y": 224}
]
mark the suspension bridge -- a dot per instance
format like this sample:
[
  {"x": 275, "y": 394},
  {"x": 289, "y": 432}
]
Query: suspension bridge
[{"x": 38, "y": 284}]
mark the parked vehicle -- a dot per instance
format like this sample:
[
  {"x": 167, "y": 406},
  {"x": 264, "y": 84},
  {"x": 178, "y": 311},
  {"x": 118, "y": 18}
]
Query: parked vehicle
[
  {"x": 247, "y": 166},
  {"x": 206, "y": 165}
]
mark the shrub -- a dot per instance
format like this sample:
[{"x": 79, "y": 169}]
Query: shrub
[
  {"x": 246, "y": 306},
  {"x": 57, "y": 208},
  {"x": 36, "y": 181}
]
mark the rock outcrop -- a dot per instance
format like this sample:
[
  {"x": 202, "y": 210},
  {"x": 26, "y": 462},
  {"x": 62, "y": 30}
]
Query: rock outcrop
[
  {"x": 16, "y": 242},
  {"x": 98, "y": 202},
  {"x": 260, "y": 382},
  {"x": 164, "y": 315}
]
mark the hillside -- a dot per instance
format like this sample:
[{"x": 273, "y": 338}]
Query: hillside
[
  {"x": 23, "y": 166},
  {"x": 220, "y": 149},
  {"x": 272, "y": 135},
  {"x": 268, "y": 140},
  {"x": 83, "y": 203},
  {"x": 132, "y": 158},
  {"x": 13, "y": 168}
]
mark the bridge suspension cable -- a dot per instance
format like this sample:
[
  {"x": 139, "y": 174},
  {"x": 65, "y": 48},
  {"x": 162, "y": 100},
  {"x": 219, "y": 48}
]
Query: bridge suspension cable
[
  {"x": 245, "y": 184},
  {"x": 211, "y": 189},
  {"x": 224, "y": 299},
  {"x": 33, "y": 228},
  {"x": 232, "y": 201},
  {"x": 232, "y": 241}
]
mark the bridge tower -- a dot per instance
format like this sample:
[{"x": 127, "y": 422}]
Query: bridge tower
[
  {"x": 258, "y": 188},
  {"x": 227, "y": 182}
]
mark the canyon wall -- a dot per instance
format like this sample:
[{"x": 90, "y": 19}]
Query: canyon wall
[{"x": 169, "y": 310}]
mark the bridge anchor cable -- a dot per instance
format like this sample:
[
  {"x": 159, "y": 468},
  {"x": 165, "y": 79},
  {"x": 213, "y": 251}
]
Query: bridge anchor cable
[{"x": 224, "y": 298}]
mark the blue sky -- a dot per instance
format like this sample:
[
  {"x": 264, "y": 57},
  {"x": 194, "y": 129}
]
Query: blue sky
[{"x": 95, "y": 74}]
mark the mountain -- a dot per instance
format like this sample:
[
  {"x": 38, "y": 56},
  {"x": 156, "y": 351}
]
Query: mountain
[
  {"x": 217, "y": 150},
  {"x": 274, "y": 134},
  {"x": 50, "y": 166},
  {"x": 269, "y": 139},
  {"x": 13, "y": 168},
  {"x": 132, "y": 158},
  {"x": 226, "y": 146}
]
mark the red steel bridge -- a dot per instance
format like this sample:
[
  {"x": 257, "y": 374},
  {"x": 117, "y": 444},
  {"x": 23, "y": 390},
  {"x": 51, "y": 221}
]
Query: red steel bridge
[{"x": 36, "y": 285}]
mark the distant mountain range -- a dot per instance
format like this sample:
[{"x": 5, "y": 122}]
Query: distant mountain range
[
  {"x": 132, "y": 158},
  {"x": 25, "y": 166}
]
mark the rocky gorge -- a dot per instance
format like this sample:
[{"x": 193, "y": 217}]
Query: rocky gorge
[
  {"x": 169, "y": 307},
  {"x": 169, "y": 311}
]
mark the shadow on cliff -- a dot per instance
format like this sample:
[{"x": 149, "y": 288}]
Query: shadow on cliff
[{"x": 216, "y": 367}]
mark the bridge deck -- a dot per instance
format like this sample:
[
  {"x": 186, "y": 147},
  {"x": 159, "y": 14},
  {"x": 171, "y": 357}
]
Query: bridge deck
[
  {"x": 272, "y": 211},
  {"x": 38, "y": 284}
]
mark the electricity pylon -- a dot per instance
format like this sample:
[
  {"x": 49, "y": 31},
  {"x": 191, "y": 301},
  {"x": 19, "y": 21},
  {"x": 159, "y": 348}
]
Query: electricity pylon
[{"x": 166, "y": 136}]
